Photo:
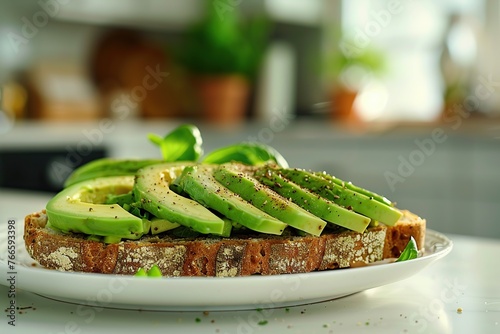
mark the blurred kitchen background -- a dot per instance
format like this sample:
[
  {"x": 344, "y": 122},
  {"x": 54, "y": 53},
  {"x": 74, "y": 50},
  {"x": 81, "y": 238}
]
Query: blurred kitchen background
[{"x": 400, "y": 97}]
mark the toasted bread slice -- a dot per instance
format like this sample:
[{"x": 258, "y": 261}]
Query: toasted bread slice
[{"x": 221, "y": 257}]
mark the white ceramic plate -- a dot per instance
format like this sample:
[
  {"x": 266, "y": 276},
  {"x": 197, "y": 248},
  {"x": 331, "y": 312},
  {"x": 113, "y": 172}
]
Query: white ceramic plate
[{"x": 209, "y": 293}]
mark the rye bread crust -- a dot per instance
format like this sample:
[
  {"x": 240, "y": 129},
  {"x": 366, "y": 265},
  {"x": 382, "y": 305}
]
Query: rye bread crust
[{"x": 221, "y": 257}]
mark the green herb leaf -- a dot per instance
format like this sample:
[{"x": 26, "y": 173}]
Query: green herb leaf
[
  {"x": 184, "y": 232},
  {"x": 154, "y": 271},
  {"x": 246, "y": 153},
  {"x": 182, "y": 144},
  {"x": 141, "y": 273},
  {"x": 410, "y": 252},
  {"x": 155, "y": 139}
]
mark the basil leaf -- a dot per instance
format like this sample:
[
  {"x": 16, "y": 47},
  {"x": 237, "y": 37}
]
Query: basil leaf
[
  {"x": 182, "y": 144},
  {"x": 141, "y": 273},
  {"x": 410, "y": 252},
  {"x": 246, "y": 153},
  {"x": 184, "y": 232},
  {"x": 155, "y": 139}
]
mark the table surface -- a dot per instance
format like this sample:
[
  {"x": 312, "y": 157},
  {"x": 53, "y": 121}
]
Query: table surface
[{"x": 457, "y": 294}]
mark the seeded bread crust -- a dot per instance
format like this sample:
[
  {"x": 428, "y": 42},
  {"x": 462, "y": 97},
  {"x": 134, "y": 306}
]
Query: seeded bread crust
[{"x": 221, "y": 257}]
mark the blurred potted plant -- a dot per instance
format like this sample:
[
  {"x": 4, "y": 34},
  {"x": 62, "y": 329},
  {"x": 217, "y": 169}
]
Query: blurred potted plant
[
  {"x": 222, "y": 55},
  {"x": 351, "y": 68}
]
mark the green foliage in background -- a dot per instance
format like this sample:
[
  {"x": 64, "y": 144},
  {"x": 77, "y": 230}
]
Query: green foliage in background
[
  {"x": 348, "y": 53},
  {"x": 223, "y": 44}
]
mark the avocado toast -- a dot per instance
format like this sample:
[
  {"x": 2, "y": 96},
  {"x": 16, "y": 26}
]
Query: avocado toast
[{"x": 240, "y": 211}]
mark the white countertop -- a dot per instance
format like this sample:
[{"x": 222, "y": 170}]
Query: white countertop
[{"x": 427, "y": 302}]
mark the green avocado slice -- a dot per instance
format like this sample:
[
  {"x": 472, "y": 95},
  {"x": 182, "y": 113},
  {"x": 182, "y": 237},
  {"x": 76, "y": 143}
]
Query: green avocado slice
[
  {"x": 268, "y": 200},
  {"x": 159, "y": 225},
  {"x": 344, "y": 196},
  {"x": 78, "y": 208},
  {"x": 152, "y": 189},
  {"x": 349, "y": 185},
  {"x": 200, "y": 184},
  {"x": 312, "y": 202}
]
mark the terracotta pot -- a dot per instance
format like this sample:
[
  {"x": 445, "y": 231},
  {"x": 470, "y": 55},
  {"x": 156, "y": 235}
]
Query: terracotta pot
[
  {"x": 223, "y": 99},
  {"x": 343, "y": 105}
]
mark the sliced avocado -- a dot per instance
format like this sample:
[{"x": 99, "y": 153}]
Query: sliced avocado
[
  {"x": 199, "y": 183},
  {"x": 151, "y": 188},
  {"x": 159, "y": 225},
  {"x": 107, "y": 167},
  {"x": 111, "y": 239},
  {"x": 313, "y": 203},
  {"x": 268, "y": 200},
  {"x": 228, "y": 227},
  {"x": 121, "y": 199},
  {"x": 146, "y": 225},
  {"x": 79, "y": 209},
  {"x": 346, "y": 197},
  {"x": 349, "y": 185}
]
